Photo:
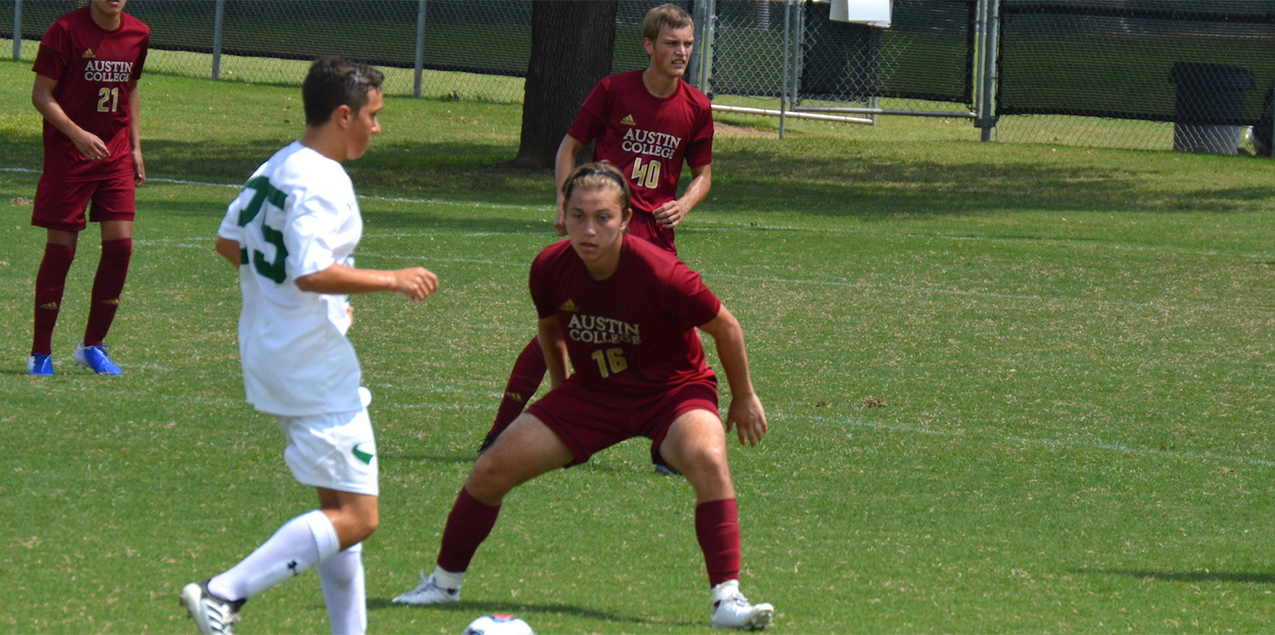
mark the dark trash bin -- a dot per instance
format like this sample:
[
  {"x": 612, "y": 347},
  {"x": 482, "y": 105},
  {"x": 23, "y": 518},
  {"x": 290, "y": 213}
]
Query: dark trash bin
[
  {"x": 1264, "y": 130},
  {"x": 1209, "y": 109}
]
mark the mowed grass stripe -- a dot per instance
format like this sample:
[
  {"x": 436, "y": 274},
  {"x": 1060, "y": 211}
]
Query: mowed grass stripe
[{"x": 1055, "y": 461}]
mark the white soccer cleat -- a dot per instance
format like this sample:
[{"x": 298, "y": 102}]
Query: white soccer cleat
[
  {"x": 427, "y": 592},
  {"x": 213, "y": 615},
  {"x": 735, "y": 611}
]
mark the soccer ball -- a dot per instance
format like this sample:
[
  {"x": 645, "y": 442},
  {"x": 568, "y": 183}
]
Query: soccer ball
[{"x": 498, "y": 625}]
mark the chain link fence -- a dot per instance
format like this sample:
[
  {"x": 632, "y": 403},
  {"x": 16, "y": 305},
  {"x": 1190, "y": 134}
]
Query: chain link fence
[
  {"x": 450, "y": 49},
  {"x": 1156, "y": 74},
  {"x": 1145, "y": 74}
]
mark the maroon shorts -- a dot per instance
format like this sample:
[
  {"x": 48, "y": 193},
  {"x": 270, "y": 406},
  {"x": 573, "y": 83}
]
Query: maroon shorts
[
  {"x": 643, "y": 225},
  {"x": 589, "y": 421},
  {"x": 60, "y": 204}
]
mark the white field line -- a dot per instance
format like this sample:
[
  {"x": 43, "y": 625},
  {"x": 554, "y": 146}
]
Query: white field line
[
  {"x": 728, "y": 225},
  {"x": 846, "y": 284}
]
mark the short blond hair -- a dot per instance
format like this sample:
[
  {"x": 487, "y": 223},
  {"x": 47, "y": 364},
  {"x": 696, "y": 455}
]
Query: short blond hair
[{"x": 665, "y": 15}]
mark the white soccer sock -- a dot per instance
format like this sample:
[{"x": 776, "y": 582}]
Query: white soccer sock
[
  {"x": 446, "y": 579},
  {"x": 298, "y": 545},
  {"x": 725, "y": 590},
  {"x": 342, "y": 579}
]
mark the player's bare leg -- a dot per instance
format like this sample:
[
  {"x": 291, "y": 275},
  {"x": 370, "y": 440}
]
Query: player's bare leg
[
  {"x": 527, "y": 449},
  {"x": 696, "y": 446}
]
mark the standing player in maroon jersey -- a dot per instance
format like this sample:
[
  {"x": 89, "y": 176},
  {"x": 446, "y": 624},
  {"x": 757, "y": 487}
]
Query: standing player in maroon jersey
[
  {"x": 623, "y": 312},
  {"x": 86, "y": 89},
  {"x": 647, "y": 123}
]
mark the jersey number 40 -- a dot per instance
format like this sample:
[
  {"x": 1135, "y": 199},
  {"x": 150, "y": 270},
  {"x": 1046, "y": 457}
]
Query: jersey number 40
[{"x": 646, "y": 174}]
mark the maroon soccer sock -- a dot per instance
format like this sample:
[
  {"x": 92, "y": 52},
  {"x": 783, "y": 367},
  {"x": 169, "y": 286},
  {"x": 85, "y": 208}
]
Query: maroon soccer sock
[
  {"x": 524, "y": 380},
  {"x": 50, "y": 282},
  {"x": 717, "y": 528},
  {"x": 112, "y": 269},
  {"x": 468, "y": 525}
]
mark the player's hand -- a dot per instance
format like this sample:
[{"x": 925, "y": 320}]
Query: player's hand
[
  {"x": 670, "y": 214},
  {"x": 349, "y": 312},
  {"x": 90, "y": 146},
  {"x": 560, "y": 221},
  {"x": 415, "y": 283},
  {"x": 748, "y": 418},
  {"x": 139, "y": 168}
]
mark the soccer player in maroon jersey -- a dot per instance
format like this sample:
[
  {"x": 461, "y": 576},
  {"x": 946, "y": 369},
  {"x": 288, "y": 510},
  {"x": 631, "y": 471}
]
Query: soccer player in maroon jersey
[
  {"x": 86, "y": 90},
  {"x": 647, "y": 123},
  {"x": 623, "y": 314}
]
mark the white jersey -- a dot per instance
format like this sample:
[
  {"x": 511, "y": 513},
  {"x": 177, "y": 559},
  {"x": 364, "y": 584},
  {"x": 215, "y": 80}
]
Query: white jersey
[{"x": 296, "y": 216}]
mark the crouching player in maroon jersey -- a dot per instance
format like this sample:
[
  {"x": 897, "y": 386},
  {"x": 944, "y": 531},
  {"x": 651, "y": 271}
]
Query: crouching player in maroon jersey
[
  {"x": 647, "y": 123},
  {"x": 86, "y": 89},
  {"x": 623, "y": 313}
]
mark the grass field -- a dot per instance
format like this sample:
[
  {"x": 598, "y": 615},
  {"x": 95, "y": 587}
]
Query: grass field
[{"x": 1011, "y": 388}]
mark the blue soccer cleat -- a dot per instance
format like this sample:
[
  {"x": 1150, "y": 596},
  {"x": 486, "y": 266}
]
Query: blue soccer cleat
[
  {"x": 40, "y": 365},
  {"x": 95, "y": 359}
]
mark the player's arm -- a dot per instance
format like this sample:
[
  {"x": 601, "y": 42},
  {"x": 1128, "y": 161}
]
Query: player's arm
[
  {"x": 42, "y": 98},
  {"x": 745, "y": 412},
  {"x": 229, "y": 249},
  {"x": 555, "y": 349},
  {"x": 672, "y": 213},
  {"x": 563, "y": 164},
  {"x": 414, "y": 283},
  {"x": 135, "y": 134}
]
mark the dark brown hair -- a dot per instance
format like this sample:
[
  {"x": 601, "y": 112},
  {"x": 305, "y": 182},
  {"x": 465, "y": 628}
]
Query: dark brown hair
[{"x": 334, "y": 82}]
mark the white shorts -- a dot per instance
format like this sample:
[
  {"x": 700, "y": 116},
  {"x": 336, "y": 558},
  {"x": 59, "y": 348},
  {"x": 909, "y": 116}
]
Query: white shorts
[{"x": 332, "y": 450}]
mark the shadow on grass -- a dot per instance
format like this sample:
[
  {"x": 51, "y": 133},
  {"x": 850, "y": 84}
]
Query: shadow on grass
[
  {"x": 1187, "y": 576},
  {"x": 423, "y": 458},
  {"x": 523, "y": 610},
  {"x": 837, "y": 178},
  {"x": 459, "y": 460}
]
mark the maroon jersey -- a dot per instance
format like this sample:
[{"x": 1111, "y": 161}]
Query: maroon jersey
[
  {"x": 96, "y": 71},
  {"x": 646, "y": 137},
  {"x": 633, "y": 333}
]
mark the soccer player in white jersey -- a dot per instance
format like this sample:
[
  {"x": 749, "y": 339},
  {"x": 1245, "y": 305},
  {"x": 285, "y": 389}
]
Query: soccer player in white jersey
[{"x": 291, "y": 232}]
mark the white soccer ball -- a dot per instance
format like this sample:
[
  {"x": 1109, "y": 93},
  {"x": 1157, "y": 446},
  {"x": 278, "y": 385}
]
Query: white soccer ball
[{"x": 498, "y": 625}]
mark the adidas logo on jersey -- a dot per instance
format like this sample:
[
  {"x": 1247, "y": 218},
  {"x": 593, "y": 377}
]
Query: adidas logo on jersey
[
  {"x": 568, "y": 306},
  {"x": 628, "y": 120},
  {"x": 88, "y": 54}
]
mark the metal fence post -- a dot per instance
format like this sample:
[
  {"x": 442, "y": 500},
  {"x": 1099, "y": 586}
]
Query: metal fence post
[
  {"x": 697, "y": 54},
  {"x": 783, "y": 78},
  {"x": 710, "y": 30},
  {"x": 420, "y": 48},
  {"x": 17, "y": 30},
  {"x": 990, "y": 37},
  {"x": 218, "y": 16}
]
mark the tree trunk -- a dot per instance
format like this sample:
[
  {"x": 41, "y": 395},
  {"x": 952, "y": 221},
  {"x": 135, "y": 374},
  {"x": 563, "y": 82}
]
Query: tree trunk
[{"x": 571, "y": 45}]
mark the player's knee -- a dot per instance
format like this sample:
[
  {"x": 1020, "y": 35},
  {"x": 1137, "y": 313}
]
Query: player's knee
[
  {"x": 489, "y": 481},
  {"x": 364, "y": 527},
  {"x": 707, "y": 458}
]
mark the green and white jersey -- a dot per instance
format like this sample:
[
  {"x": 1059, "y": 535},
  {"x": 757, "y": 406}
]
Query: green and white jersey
[{"x": 296, "y": 216}]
